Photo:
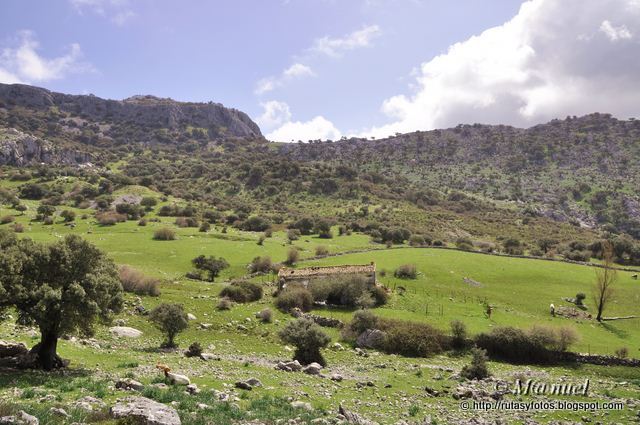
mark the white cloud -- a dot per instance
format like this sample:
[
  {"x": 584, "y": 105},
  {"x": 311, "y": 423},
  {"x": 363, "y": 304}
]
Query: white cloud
[
  {"x": 331, "y": 46},
  {"x": 24, "y": 64},
  {"x": 275, "y": 114},
  {"x": 543, "y": 63},
  {"x": 615, "y": 33},
  {"x": 118, "y": 11},
  {"x": 276, "y": 118},
  {"x": 295, "y": 71}
]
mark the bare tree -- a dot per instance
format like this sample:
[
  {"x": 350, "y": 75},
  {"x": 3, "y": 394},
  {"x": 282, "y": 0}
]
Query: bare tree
[{"x": 605, "y": 279}]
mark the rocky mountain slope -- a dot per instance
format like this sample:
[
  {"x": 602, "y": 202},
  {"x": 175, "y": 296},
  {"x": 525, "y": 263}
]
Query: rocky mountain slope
[{"x": 144, "y": 111}]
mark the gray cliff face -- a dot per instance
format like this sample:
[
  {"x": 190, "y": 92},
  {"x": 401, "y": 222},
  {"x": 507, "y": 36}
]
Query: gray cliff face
[
  {"x": 20, "y": 149},
  {"x": 143, "y": 110}
]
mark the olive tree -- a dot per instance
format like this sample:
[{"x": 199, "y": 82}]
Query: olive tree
[
  {"x": 308, "y": 338},
  {"x": 171, "y": 320},
  {"x": 62, "y": 288}
]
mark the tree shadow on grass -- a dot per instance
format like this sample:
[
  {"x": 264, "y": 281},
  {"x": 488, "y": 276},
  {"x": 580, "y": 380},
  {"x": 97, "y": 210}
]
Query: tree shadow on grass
[
  {"x": 26, "y": 378},
  {"x": 614, "y": 330}
]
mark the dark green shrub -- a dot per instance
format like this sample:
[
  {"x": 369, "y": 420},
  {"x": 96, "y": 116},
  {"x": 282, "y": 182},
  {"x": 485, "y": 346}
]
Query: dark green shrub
[
  {"x": 171, "y": 320},
  {"x": 411, "y": 339},
  {"x": 266, "y": 315},
  {"x": 194, "y": 350},
  {"x": 293, "y": 297},
  {"x": 513, "y": 345},
  {"x": 362, "y": 320},
  {"x": 308, "y": 338},
  {"x": 164, "y": 234},
  {"x": 458, "y": 334},
  {"x": 242, "y": 292},
  {"x": 260, "y": 265},
  {"x": 406, "y": 271},
  {"x": 478, "y": 367},
  {"x": 464, "y": 243}
]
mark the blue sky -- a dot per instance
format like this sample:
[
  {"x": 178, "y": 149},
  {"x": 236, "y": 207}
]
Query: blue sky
[{"x": 326, "y": 68}]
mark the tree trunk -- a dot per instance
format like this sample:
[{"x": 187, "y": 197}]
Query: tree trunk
[{"x": 46, "y": 350}]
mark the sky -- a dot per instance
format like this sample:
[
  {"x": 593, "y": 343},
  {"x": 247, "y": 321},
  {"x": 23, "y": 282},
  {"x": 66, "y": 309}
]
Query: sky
[{"x": 326, "y": 69}]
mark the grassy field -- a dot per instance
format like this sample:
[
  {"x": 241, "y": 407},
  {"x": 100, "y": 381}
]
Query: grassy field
[{"x": 520, "y": 290}]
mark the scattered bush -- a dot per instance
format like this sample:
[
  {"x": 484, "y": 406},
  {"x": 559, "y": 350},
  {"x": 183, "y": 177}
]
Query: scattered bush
[
  {"x": 242, "y": 292},
  {"x": 186, "y": 222},
  {"x": 362, "y": 320},
  {"x": 293, "y": 255},
  {"x": 513, "y": 246},
  {"x": 417, "y": 240},
  {"x": 48, "y": 221},
  {"x": 136, "y": 282},
  {"x": 308, "y": 338},
  {"x": 110, "y": 218},
  {"x": 464, "y": 243},
  {"x": 68, "y": 216},
  {"x": 350, "y": 292},
  {"x": 224, "y": 304},
  {"x": 478, "y": 367},
  {"x": 164, "y": 234},
  {"x": 293, "y": 235},
  {"x": 255, "y": 224},
  {"x": 458, "y": 334},
  {"x": 406, "y": 271},
  {"x": 411, "y": 339},
  {"x": 211, "y": 265},
  {"x": 194, "y": 350},
  {"x": 322, "y": 251},
  {"x": 534, "y": 346},
  {"x": 294, "y": 296},
  {"x": 622, "y": 353},
  {"x": 204, "y": 227},
  {"x": 260, "y": 265},
  {"x": 266, "y": 315},
  {"x": 18, "y": 227},
  {"x": 580, "y": 297},
  {"x": 171, "y": 320},
  {"x": 7, "y": 219}
]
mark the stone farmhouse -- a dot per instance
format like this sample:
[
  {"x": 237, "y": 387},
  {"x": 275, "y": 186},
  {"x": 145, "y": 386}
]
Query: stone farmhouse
[{"x": 309, "y": 274}]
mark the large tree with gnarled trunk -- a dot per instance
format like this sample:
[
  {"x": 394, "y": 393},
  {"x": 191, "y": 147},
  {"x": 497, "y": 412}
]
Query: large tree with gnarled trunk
[{"x": 62, "y": 288}]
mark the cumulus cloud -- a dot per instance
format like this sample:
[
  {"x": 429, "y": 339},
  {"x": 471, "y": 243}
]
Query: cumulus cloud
[
  {"x": 276, "y": 119},
  {"x": 118, "y": 11},
  {"x": 295, "y": 71},
  {"x": 275, "y": 114},
  {"x": 542, "y": 64},
  {"x": 336, "y": 46},
  {"x": 23, "y": 64}
]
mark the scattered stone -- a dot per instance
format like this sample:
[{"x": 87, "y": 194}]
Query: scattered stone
[
  {"x": 337, "y": 346},
  {"x": 312, "y": 369},
  {"x": 243, "y": 386},
  {"x": 22, "y": 418},
  {"x": 89, "y": 404},
  {"x": 125, "y": 332},
  {"x": 12, "y": 349},
  {"x": 336, "y": 377},
  {"x": 191, "y": 316},
  {"x": 354, "y": 418},
  {"x": 254, "y": 382},
  {"x": 145, "y": 411},
  {"x": 301, "y": 405},
  {"x": 205, "y": 326},
  {"x": 177, "y": 379},
  {"x": 291, "y": 366},
  {"x": 57, "y": 411},
  {"x": 129, "y": 384},
  {"x": 193, "y": 389}
]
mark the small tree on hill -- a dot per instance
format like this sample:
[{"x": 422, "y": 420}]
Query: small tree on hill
[
  {"x": 605, "y": 279},
  {"x": 308, "y": 338},
  {"x": 212, "y": 265},
  {"x": 171, "y": 320},
  {"x": 61, "y": 288},
  {"x": 478, "y": 367}
]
